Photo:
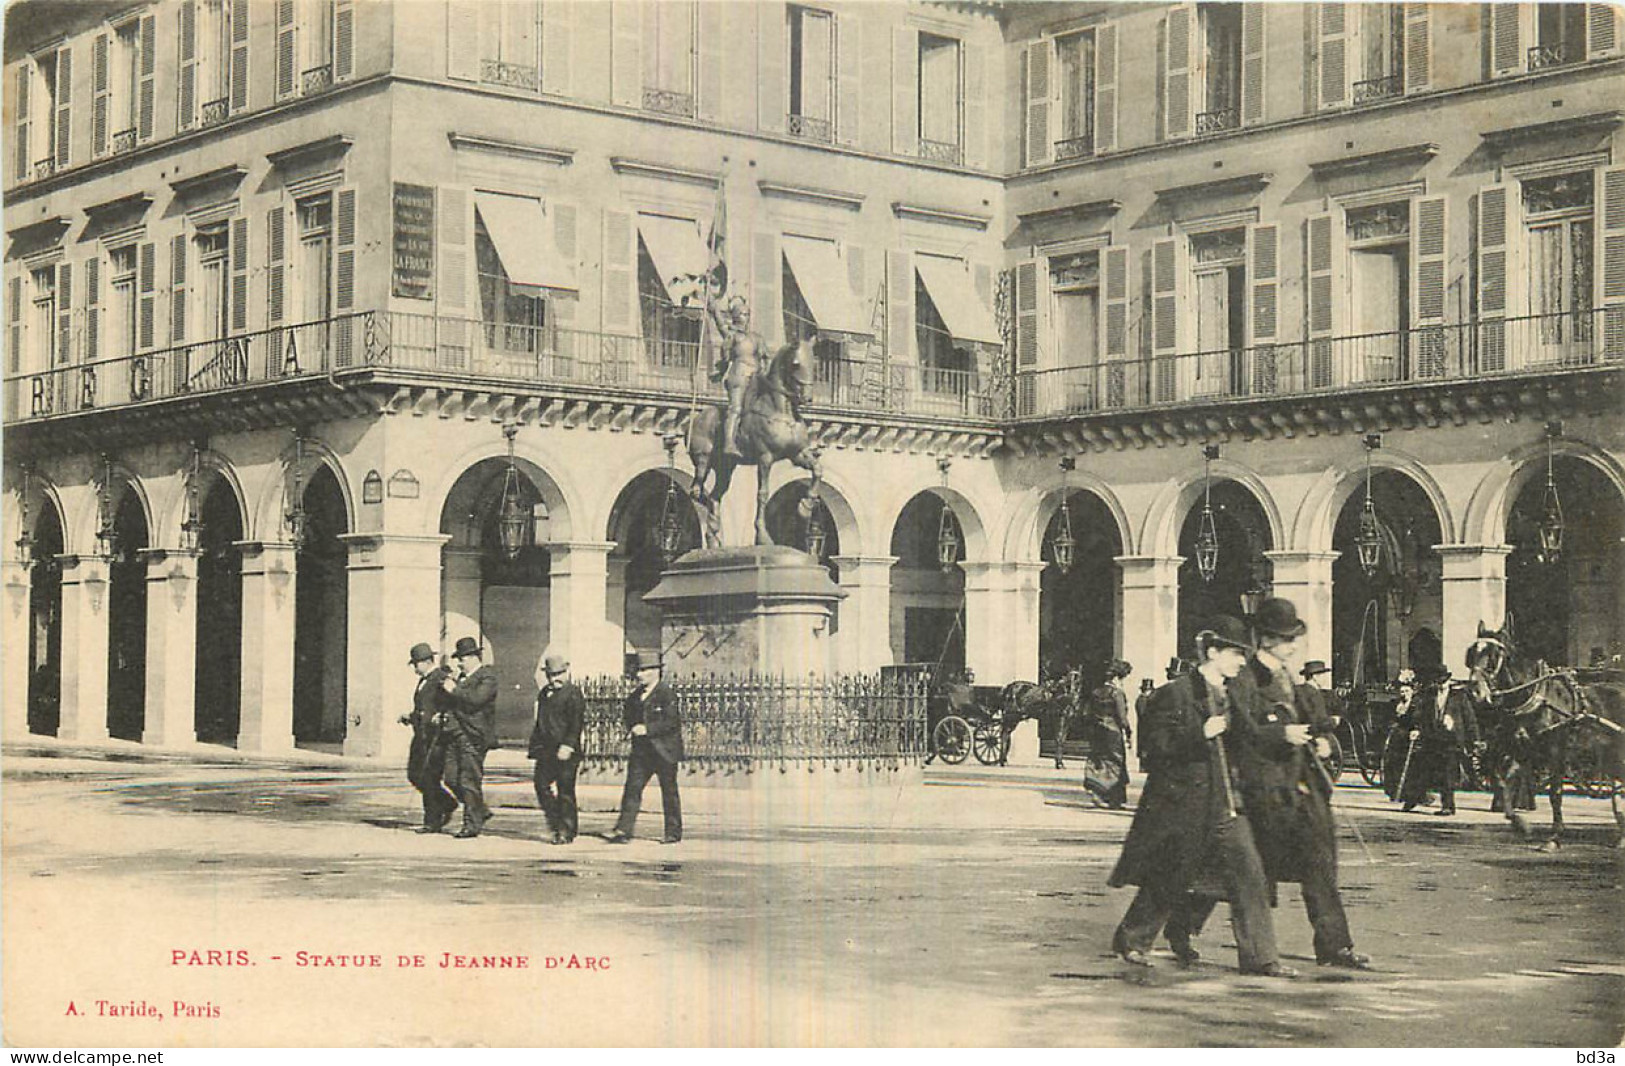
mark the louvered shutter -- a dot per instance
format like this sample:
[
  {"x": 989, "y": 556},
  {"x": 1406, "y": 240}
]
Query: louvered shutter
[
  {"x": 187, "y": 103},
  {"x": 25, "y": 78},
  {"x": 905, "y": 97},
  {"x": 618, "y": 309},
  {"x": 1332, "y": 50},
  {"x": 1178, "y": 83},
  {"x": 239, "y": 274},
  {"x": 344, "y": 278},
  {"x": 1418, "y": 47},
  {"x": 1430, "y": 260},
  {"x": 709, "y": 105},
  {"x": 64, "y": 313},
  {"x": 146, "y": 92},
  {"x": 1263, "y": 307},
  {"x": 1495, "y": 208},
  {"x": 343, "y": 40},
  {"x": 1326, "y": 243},
  {"x": 849, "y": 77},
  {"x": 1038, "y": 138},
  {"x": 1610, "y": 272},
  {"x": 975, "y": 110},
  {"x": 287, "y": 48},
  {"x": 1169, "y": 271},
  {"x": 14, "y": 316},
  {"x": 1505, "y": 25},
  {"x": 1114, "y": 324},
  {"x": 276, "y": 254},
  {"x": 100, "y": 95},
  {"x": 562, "y": 309},
  {"x": 463, "y": 40},
  {"x": 767, "y": 276},
  {"x": 772, "y": 79},
  {"x": 558, "y": 37},
  {"x": 177, "y": 288},
  {"x": 1106, "y": 75},
  {"x": 1602, "y": 31},
  {"x": 899, "y": 306},
  {"x": 147, "y": 284},
  {"x": 1028, "y": 326},
  {"x": 239, "y": 55},
  {"x": 64, "y": 107},
  {"x": 1253, "y": 72},
  {"x": 93, "y": 308},
  {"x": 626, "y": 53}
]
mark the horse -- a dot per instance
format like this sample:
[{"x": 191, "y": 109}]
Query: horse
[
  {"x": 1054, "y": 702},
  {"x": 770, "y": 429},
  {"x": 1541, "y": 722}
]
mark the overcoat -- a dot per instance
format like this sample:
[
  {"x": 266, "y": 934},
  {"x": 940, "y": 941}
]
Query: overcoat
[
  {"x": 659, "y": 714},
  {"x": 474, "y": 709},
  {"x": 1184, "y": 806},
  {"x": 559, "y": 717},
  {"x": 428, "y": 701},
  {"x": 1287, "y": 797}
]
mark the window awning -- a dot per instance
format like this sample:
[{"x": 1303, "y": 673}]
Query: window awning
[
  {"x": 524, "y": 242},
  {"x": 822, "y": 278},
  {"x": 678, "y": 253},
  {"x": 962, "y": 311}
]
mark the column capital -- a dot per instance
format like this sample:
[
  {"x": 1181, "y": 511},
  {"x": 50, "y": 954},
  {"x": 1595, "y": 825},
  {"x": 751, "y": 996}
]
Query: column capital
[
  {"x": 863, "y": 569},
  {"x": 1147, "y": 571},
  {"x": 80, "y": 568},
  {"x": 1472, "y": 551},
  {"x": 374, "y": 550},
  {"x": 1292, "y": 556},
  {"x": 267, "y": 556},
  {"x": 583, "y": 547},
  {"x": 1469, "y": 562}
]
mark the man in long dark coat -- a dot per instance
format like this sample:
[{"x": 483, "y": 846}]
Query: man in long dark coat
[
  {"x": 471, "y": 723},
  {"x": 426, "y": 761},
  {"x": 1441, "y": 725},
  {"x": 1190, "y": 831},
  {"x": 1286, "y": 792},
  {"x": 555, "y": 744},
  {"x": 652, "y": 718}
]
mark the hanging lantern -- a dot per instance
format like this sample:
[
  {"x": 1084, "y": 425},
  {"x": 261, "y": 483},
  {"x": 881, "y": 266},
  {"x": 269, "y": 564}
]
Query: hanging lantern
[
  {"x": 1207, "y": 533},
  {"x": 1551, "y": 506},
  {"x": 1253, "y": 598},
  {"x": 669, "y": 533},
  {"x": 1368, "y": 540},
  {"x": 25, "y": 543},
  {"x": 192, "y": 525},
  {"x": 294, "y": 516},
  {"x": 1063, "y": 543},
  {"x": 817, "y": 533},
  {"x": 106, "y": 525},
  {"x": 947, "y": 528},
  {"x": 511, "y": 517}
]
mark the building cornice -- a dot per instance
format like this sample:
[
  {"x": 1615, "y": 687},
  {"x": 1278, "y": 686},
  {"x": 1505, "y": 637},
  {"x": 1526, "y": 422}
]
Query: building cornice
[
  {"x": 335, "y": 144},
  {"x": 232, "y": 174},
  {"x": 1246, "y": 184},
  {"x": 1557, "y": 129},
  {"x": 940, "y": 215},
  {"x": 848, "y": 201},
  {"x": 1070, "y": 212},
  {"x": 132, "y": 202},
  {"x": 1410, "y": 153},
  {"x": 561, "y": 157},
  {"x": 643, "y": 168}
]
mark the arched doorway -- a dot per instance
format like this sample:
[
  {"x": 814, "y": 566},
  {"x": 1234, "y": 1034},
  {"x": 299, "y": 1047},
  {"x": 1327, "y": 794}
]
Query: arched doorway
[
  {"x": 639, "y": 558},
  {"x": 1243, "y": 537},
  {"x": 1078, "y": 606},
  {"x": 219, "y": 674},
  {"x": 321, "y": 617},
  {"x": 1571, "y": 610},
  {"x": 497, "y": 596},
  {"x": 1394, "y": 618},
  {"x": 787, "y": 526},
  {"x": 127, "y": 621},
  {"x": 927, "y": 598},
  {"x": 45, "y": 624}
]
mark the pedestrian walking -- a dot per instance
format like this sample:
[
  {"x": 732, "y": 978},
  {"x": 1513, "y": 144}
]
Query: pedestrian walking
[
  {"x": 1112, "y": 733},
  {"x": 555, "y": 744},
  {"x": 471, "y": 723},
  {"x": 426, "y": 760},
  {"x": 656, "y": 727},
  {"x": 1286, "y": 793},
  {"x": 1191, "y": 840},
  {"x": 1443, "y": 729}
]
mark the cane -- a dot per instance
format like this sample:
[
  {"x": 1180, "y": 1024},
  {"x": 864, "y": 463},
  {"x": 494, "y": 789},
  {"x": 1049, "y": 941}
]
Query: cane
[
  {"x": 1326, "y": 776},
  {"x": 1399, "y": 793}
]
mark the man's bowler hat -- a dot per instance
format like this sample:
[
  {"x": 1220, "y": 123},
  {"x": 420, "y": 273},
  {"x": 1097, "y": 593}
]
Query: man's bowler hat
[
  {"x": 1277, "y": 617},
  {"x": 555, "y": 663},
  {"x": 422, "y": 653},
  {"x": 1224, "y": 631},
  {"x": 1314, "y": 668},
  {"x": 648, "y": 660},
  {"x": 466, "y": 646}
]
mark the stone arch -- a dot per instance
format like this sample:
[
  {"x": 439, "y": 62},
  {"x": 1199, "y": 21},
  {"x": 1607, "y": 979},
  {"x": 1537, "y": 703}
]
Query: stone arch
[
  {"x": 1317, "y": 516},
  {"x": 40, "y": 492},
  {"x": 1159, "y": 536},
  {"x": 1033, "y": 510},
  {"x": 269, "y": 511},
  {"x": 977, "y": 542},
  {"x": 620, "y": 504},
  {"x": 1492, "y": 500},
  {"x": 837, "y": 496},
  {"x": 536, "y": 464}
]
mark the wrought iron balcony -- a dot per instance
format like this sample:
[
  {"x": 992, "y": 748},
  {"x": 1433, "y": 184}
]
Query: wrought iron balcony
[
  {"x": 811, "y": 129},
  {"x": 940, "y": 151},
  {"x": 513, "y": 75},
  {"x": 44, "y": 168},
  {"x": 1379, "y": 88},
  {"x": 215, "y": 111},
  {"x": 668, "y": 102},
  {"x": 1228, "y": 118},
  {"x": 1545, "y": 56},
  {"x": 316, "y": 79},
  {"x": 1075, "y": 147},
  {"x": 124, "y": 141}
]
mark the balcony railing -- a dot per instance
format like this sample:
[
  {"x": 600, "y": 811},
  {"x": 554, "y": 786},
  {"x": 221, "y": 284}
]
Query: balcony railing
[
  {"x": 1074, "y": 147},
  {"x": 939, "y": 151},
  {"x": 1227, "y": 118},
  {"x": 215, "y": 111},
  {"x": 669, "y": 102},
  {"x": 1429, "y": 354},
  {"x": 124, "y": 141},
  {"x": 513, "y": 75},
  {"x": 316, "y": 79},
  {"x": 1544, "y": 56},
  {"x": 1378, "y": 88},
  {"x": 44, "y": 168},
  {"x": 811, "y": 129}
]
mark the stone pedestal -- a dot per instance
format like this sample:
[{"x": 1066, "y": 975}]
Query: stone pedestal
[
  {"x": 16, "y": 592},
  {"x": 1305, "y": 578},
  {"x": 1474, "y": 586},
  {"x": 394, "y": 585},
  {"x": 171, "y": 719},
  {"x": 762, "y": 610},
  {"x": 85, "y": 588},
  {"x": 269, "y": 590}
]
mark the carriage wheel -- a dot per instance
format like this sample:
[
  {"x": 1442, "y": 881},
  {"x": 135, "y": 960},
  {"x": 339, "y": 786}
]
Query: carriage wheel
[
  {"x": 952, "y": 739},
  {"x": 1334, "y": 761},
  {"x": 1389, "y": 743},
  {"x": 1366, "y": 757},
  {"x": 990, "y": 745}
]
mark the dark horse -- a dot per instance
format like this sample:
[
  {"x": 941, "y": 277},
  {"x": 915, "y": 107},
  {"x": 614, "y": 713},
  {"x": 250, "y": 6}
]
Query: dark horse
[
  {"x": 770, "y": 429},
  {"x": 1541, "y": 723},
  {"x": 1053, "y": 703}
]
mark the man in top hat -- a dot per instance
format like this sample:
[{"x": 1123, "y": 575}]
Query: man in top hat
[
  {"x": 1113, "y": 733},
  {"x": 471, "y": 699},
  {"x": 1285, "y": 787},
  {"x": 1177, "y": 667},
  {"x": 426, "y": 761},
  {"x": 652, "y": 718},
  {"x": 1440, "y": 728},
  {"x": 1191, "y": 840},
  {"x": 555, "y": 744}
]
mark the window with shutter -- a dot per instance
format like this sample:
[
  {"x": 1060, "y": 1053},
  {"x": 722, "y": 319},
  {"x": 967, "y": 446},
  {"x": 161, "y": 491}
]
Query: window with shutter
[
  {"x": 1326, "y": 265},
  {"x": 905, "y": 102},
  {"x": 1506, "y": 27},
  {"x": 1073, "y": 122},
  {"x": 899, "y": 306},
  {"x": 558, "y": 37},
  {"x": 14, "y": 320},
  {"x": 849, "y": 77},
  {"x": 177, "y": 289},
  {"x": 1170, "y": 270},
  {"x": 1610, "y": 272},
  {"x": 1495, "y": 202},
  {"x": 1037, "y": 133},
  {"x": 237, "y": 90},
  {"x": 187, "y": 104},
  {"x": 22, "y": 159},
  {"x": 344, "y": 278},
  {"x": 1178, "y": 86},
  {"x": 1418, "y": 58},
  {"x": 100, "y": 93},
  {"x": 146, "y": 63},
  {"x": 1119, "y": 390},
  {"x": 287, "y": 49},
  {"x": 92, "y": 271},
  {"x": 1432, "y": 353},
  {"x": 1602, "y": 31},
  {"x": 64, "y": 107},
  {"x": 239, "y": 275},
  {"x": 1263, "y": 308},
  {"x": 1331, "y": 54},
  {"x": 812, "y": 74},
  {"x": 1254, "y": 41},
  {"x": 1106, "y": 88},
  {"x": 147, "y": 280},
  {"x": 626, "y": 53},
  {"x": 64, "y": 313},
  {"x": 766, "y": 277},
  {"x": 620, "y": 281}
]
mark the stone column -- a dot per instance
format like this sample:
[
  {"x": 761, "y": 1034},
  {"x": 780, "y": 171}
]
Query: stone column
[
  {"x": 1150, "y": 621},
  {"x": 460, "y": 585},
  {"x": 85, "y": 587},
  {"x": 615, "y": 603},
  {"x": 1001, "y": 621},
  {"x": 863, "y": 642},
  {"x": 1022, "y": 638},
  {"x": 269, "y": 570},
  {"x": 394, "y": 603},
  {"x": 1305, "y": 578},
  {"x": 171, "y": 648},
  {"x": 16, "y": 630},
  {"x": 580, "y": 624},
  {"x": 1474, "y": 590}
]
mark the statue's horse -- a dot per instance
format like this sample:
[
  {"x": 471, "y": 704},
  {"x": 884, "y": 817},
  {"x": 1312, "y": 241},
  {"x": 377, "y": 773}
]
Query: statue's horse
[
  {"x": 770, "y": 429},
  {"x": 1541, "y": 722}
]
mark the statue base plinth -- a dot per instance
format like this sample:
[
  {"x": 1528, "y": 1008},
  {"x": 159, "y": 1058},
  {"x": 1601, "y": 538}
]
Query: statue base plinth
[{"x": 765, "y": 610}]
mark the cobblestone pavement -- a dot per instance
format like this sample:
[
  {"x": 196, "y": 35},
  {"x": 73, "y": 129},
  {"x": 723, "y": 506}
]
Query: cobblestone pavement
[{"x": 967, "y": 908}]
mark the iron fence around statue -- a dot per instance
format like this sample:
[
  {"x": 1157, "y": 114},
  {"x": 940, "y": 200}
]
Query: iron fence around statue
[{"x": 749, "y": 724}]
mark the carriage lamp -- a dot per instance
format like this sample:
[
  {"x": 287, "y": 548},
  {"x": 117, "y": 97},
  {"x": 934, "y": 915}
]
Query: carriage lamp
[
  {"x": 1064, "y": 542},
  {"x": 25, "y": 543},
  {"x": 670, "y": 531},
  {"x": 1368, "y": 540},
  {"x": 511, "y": 517},
  {"x": 1207, "y": 533},
  {"x": 1551, "y": 507},
  {"x": 947, "y": 531},
  {"x": 294, "y": 517},
  {"x": 1253, "y": 598},
  {"x": 106, "y": 524},
  {"x": 192, "y": 525},
  {"x": 817, "y": 533}
]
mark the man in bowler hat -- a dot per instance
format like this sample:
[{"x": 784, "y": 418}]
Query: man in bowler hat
[
  {"x": 426, "y": 761},
  {"x": 555, "y": 744},
  {"x": 472, "y": 723},
  {"x": 1285, "y": 790},
  {"x": 651, "y": 717}
]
